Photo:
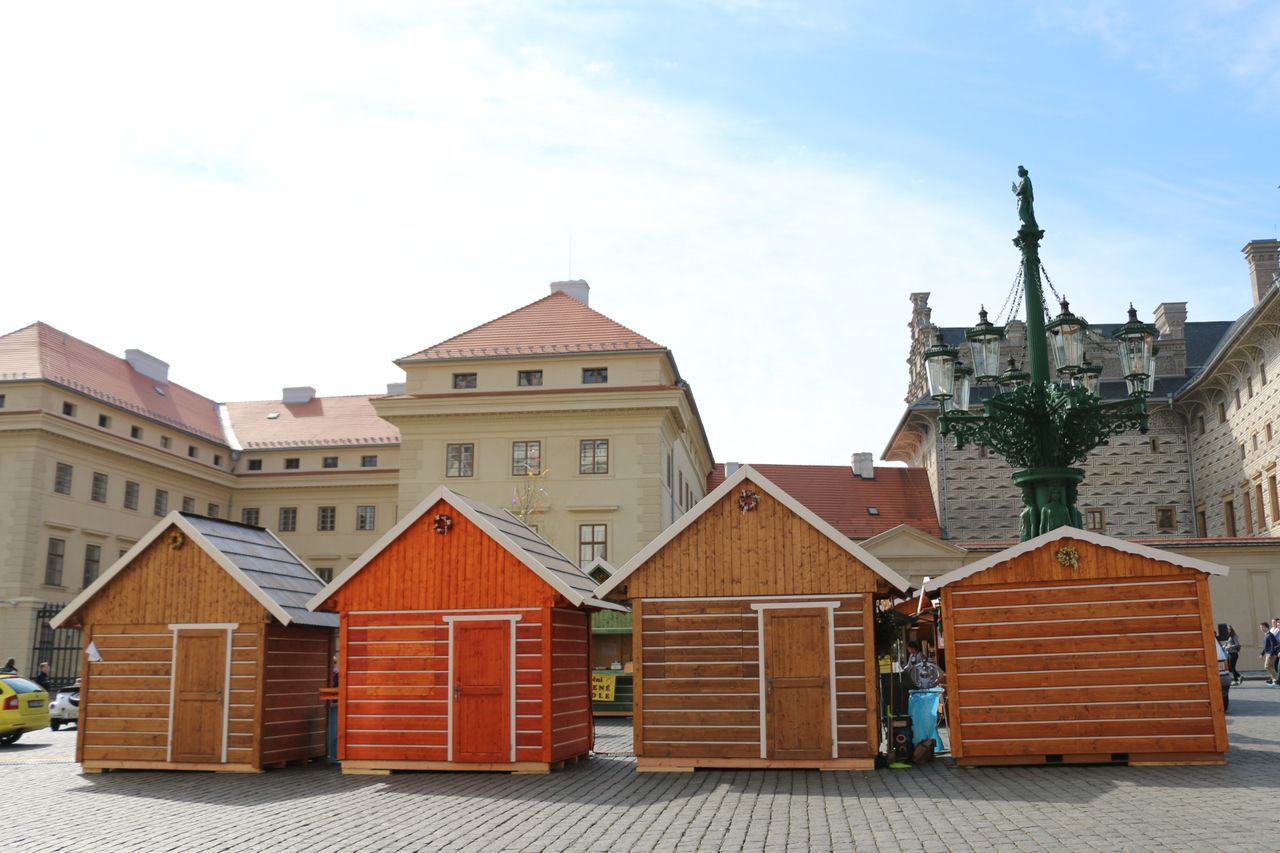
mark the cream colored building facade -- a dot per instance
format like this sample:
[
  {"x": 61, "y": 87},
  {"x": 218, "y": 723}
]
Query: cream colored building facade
[{"x": 94, "y": 449}]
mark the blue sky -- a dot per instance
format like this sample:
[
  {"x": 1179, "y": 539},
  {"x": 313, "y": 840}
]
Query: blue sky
[{"x": 279, "y": 195}]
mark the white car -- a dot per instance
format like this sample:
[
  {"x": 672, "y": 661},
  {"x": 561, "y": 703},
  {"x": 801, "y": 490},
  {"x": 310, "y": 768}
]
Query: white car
[{"x": 65, "y": 707}]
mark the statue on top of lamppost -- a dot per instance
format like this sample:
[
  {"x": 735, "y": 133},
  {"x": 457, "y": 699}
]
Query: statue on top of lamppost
[{"x": 1026, "y": 200}]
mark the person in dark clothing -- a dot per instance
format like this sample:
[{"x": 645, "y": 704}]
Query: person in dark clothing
[
  {"x": 1232, "y": 648},
  {"x": 1270, "y": 645},
  {"x": 10, "y": 666},
  {"x": 42, "y": 677}
]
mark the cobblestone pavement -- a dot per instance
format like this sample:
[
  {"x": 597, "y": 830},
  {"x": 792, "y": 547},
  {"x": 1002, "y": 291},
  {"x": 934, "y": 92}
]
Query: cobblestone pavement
[{"x": 605, "y": 805}]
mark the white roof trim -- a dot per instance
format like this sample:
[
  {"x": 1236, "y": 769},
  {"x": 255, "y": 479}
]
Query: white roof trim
[
  {"x": 1083, "y": 535},
  {"x": 904, "y": 529},
  {"x": 174, "y": 518},
  {"x": 776, "y": 492},
  {"x": 456, "y": 501}
]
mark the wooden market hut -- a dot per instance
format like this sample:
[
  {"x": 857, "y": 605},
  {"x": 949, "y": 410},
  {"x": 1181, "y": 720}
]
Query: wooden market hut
[
  {"x": 753, "y": 636},
  {"x": 200, "y": 653},
  {"x": 465, "y": 645},
  {"x": 1077, "y": 647}
]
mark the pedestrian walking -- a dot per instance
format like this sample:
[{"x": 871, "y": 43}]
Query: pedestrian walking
[
  {"x": 1232, "y": 647},
  {"x": 1270, "y": 646}
]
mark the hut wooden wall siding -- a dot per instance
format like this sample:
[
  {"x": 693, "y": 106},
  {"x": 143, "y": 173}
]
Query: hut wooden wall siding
[
  {"x": 293, "y": 716},
  {"x": 702, "y": 679},
  {"x": 570, "y": 720},
  {"x": 729, "y": 552},
  {"x": 1111, "y": 658}
]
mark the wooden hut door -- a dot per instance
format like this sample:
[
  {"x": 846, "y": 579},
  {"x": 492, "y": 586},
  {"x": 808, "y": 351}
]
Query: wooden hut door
[
  {"x": 797, "y": 675},
  {"x": 199, "y": 677},
  {"x": 482, "y": 692}
]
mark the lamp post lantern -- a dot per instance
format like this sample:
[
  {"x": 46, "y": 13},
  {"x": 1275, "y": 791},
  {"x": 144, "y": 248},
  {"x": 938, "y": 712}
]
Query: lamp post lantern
[{"x": 1040, "y": 424}]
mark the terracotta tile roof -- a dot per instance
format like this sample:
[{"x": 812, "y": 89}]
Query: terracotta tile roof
[
  {"x": 555, "y": 324},
  {"x": 322, "y": 422},
  {"x": 901, "y": 495},
  {"x": 40, "y": 351}
]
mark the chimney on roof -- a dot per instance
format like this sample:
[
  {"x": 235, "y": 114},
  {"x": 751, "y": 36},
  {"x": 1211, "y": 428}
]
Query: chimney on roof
[
  {"x": 578, "y": 289},
  {"x": 1171, "y": 320},
  {"x": 731, "y": 468},
  {"x": 148, "y": 365},
  {"x": 395, "y": 389},
  {"x": 1264, "y": 272},
  {"x": 864, "y": 466},
  {"x": 301, "y": 394}
]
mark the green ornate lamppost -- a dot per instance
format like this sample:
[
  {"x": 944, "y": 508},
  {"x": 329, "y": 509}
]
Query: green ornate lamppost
[{"x": 1040, "y": 423}]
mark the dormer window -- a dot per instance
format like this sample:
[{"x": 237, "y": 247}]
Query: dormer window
[
  {"x": 464, "y": 380},
  {"x": 595, "y": 375}
]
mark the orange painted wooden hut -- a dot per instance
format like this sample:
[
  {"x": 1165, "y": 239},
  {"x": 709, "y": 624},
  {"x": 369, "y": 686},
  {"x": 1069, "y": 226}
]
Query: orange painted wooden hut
[
  {"x": 201, "y": 654},
  {"x": 1077, "y": 647},
  {"x": 753, "y": 636},
  {"x": 465, "y": 645}
]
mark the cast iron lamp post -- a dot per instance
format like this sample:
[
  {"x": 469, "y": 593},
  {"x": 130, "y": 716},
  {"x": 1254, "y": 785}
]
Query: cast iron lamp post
[{"x": 1041, "y": 424}]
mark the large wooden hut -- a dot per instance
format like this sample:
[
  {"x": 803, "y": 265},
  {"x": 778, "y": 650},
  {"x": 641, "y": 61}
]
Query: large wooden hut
[
  {"x": 1077, "y": 647},
  {"x": 753, "y": 636},
  {"x": 200, "y": 653},
  {"x": 465, "y": 645}
]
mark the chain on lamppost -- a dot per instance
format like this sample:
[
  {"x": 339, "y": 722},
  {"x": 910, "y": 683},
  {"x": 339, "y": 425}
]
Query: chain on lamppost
[{"x": 1041, "y": 424}]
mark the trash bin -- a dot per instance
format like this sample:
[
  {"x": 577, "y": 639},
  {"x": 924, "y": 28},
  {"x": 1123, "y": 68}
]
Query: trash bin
[{"x": 922, "y": 705}]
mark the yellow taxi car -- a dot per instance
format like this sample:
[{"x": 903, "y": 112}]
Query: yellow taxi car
[{"x": 24, "y": 707}]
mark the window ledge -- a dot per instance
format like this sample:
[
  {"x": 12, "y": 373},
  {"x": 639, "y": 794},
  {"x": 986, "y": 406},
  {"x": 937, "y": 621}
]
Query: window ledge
[{"x": 598, "y": 508}]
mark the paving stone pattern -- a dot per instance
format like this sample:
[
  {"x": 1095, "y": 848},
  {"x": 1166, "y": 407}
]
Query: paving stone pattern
[{"x": 605, "y": 805}]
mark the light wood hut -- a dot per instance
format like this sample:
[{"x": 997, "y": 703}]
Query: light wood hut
[
  {"x": 200, "y": 653},
  {"x": 465, "y": 645},
  {"x": 753, "y": 636},
  {"x": 1077, "y": 647}
]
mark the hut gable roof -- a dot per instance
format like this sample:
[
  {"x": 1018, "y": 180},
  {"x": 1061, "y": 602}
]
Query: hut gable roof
[
  {"x": 254, "y": 557},
  {"x": 1089, "y": 536},
  {"x": 516, "y": 537},
  {"x": 743, "y": 474}
]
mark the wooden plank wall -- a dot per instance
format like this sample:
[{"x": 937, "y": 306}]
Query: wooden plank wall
[
  {"x": 571, "y": 723},
  {"x": 700, "y": 679},
  {"x": 395, "y": 670},
  {"x": 124, "y": 707},
  {"x": 294, "y": 718},
  {"x": 769, "y": 551},
  {"x": 1099, "y": 665}
]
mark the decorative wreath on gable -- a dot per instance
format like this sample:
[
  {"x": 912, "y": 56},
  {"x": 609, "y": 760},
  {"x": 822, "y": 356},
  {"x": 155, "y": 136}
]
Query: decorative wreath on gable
[
  {"x": 1068, "y": 556},
  {"x": 176, "y": 540},
  {"x": 748, "y": 500},
  {"x": 441, "y": 523}
]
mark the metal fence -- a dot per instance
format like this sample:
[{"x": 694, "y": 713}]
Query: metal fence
[{"x": 61, "y": 647}]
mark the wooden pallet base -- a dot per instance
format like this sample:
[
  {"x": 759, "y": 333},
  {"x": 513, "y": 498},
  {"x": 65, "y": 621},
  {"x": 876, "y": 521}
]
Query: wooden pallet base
[
  {"x": 688, "y": 765},
  {"x": 1135, "y": 759},
  {"x": 373, "y": 767},
  {"x": 99, "y": 766}
]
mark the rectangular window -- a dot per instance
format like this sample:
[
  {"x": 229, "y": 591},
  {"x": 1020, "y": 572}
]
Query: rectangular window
[
  {"x": 366, "y": 518},
  {"x": 592, "y": 543},
  {"x": 1255, "y": 441},
  {"x": 1249, "y": 380},
  {"x": 1236, "y": 392},
  {"x": 528, "y": 378},
  {"x": 526, "y": 458},
  {"x": 217, "y": 460},
  {"x": 255, "y": 464},
  {"x": 680, "y": 487},
  {"x": 131, "y": 491},
  {"x": 104, "y": 421},
  {"x": 593, "y": 456},
  {"x": 1242, "y": 451},
  {"x": 53, "y": 562},
  {"x": 1166, "y": 519},
  {"x": 668, "y": 469},
  {"x": 1259, "y": 505},
  {"x": 293, "y": 463},
  {"x": 368, "y": 462},
  {"x": 62, "y": 479},
  {"x": 1274, "y": 494},
  {"x": 135, "y": 431},
  {"x": 1268, "y": 430},
  {"x": 459, "y": 460},
  {"x": 325, "y": 573},
  {"x": 1222, "y": 413},
  {"x": 1262, "y": 373},
  {"x": 162, "y": 502},
  {"x": 92, "y": 563},
  {"x": 595, "y": 375},
  {"x": 288, "y": 519},
  {"x": 69, "y": 409},
  {"x": 1, "y": 401},
  {"x": 1155, "y": 445},
  {"x": 330, "y": 462},
  {"x": 213, "y": 510},
  {"x": 193, "y": 452},
  {"x": 1095, "y": 520},
  {"x": 249, "y": 515},
  {"x": 1248, "y": 512},
  {"x": 1202, "y": 523},
  {"x": 189, "y": 505},
  {"x": 165, "y": 442},
  {"x": 326, "y": 518},
  {"x": 99, "y": 491},
  {"x": 1229, "y": 517},
  {"x": 1200, "y": 424},
  {"x": 464, "y": 380}
]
